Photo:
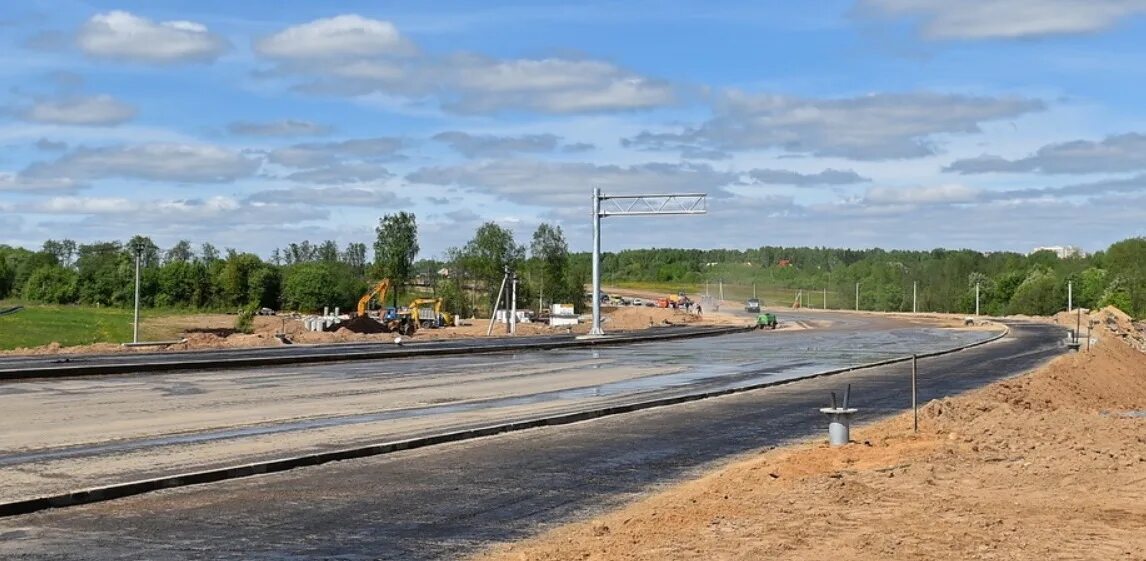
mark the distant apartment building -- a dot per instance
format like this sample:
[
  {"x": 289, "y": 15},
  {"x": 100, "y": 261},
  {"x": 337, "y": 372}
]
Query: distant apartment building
[{"x": 1062, "y": 251}]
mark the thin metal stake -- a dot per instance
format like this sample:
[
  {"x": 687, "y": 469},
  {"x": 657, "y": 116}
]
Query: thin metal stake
[
  {"x": 135, "y": 321},
  {"x": 914, "y": 395}
]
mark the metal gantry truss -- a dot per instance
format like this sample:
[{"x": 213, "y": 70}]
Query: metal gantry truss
[
  {"x": 644, "y": 205},
  {"x": 634, "y": 205}
]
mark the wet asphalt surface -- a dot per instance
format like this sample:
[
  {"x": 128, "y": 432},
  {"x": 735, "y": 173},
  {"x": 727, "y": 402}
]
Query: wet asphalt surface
[
  {"x": 695, "y": 366},
  {"x": 448, "y": 501}
]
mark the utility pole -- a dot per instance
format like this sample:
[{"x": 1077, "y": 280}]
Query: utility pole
[
  {"x": 976, "y": 298},
  {"x": 721, "y": 281},
  {"x": 914, "y": 297},
  {"x": 513, "y": 308},
  {"x": 753, "y": 291},
  {"x": 825, "y": 297},
  {"x": 857, "y": 296},
  {"x": 1070, "y": 296},
  {"x": 135, "y": 322}
]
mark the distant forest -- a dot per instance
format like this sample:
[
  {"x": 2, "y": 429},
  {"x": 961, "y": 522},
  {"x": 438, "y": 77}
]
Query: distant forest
[
  {"x": 307, "y": 276},
  {"x": 1009, "y": 283}
]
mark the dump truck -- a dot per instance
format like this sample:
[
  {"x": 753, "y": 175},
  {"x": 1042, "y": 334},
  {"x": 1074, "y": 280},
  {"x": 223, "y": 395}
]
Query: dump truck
[{"x": 428, "y": 312}]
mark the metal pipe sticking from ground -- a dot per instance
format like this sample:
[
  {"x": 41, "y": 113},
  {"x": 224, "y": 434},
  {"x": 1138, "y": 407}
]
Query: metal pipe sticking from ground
[{"x": 839, "y": 419}]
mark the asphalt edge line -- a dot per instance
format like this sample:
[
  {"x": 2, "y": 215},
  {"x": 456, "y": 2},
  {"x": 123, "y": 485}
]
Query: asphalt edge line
[
  {"x": 9, "y": 375},
  {"x": 122, "y": 490}
]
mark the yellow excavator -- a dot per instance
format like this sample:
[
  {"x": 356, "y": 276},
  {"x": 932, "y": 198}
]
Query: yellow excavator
[
  {"x": 379, "y": 290},
  {"x": 392, "y": 319},
  {"x": 429, "y": 313}
]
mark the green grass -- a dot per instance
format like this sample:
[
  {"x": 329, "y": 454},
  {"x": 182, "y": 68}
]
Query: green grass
[{"x": 41, "y": 324}]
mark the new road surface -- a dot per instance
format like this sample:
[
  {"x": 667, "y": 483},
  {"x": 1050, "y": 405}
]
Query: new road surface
[{"x": 443, "y": 501}]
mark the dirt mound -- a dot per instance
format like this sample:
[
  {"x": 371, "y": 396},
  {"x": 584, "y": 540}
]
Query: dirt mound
[
  {"x": 642, "y": 317},
  {"x": 216, "y": 331},
  {"x": 361, "y": 324}
]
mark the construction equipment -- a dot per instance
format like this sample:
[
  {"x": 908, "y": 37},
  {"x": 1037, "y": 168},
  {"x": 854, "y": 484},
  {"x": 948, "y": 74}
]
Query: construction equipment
[
  {"x": 766, "y": 320},
  {"x": 379, "y": 291},
  {"x": 428, "y": 312}
]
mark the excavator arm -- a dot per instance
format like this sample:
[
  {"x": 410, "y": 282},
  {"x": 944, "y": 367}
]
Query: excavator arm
[{"x": 379, "y": 290}]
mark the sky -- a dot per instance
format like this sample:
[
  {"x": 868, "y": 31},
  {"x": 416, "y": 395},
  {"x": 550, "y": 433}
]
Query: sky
[{"x": 913, "y": 124}]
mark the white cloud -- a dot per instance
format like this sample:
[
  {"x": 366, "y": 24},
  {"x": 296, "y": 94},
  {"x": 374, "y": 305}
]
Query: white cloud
[
  {"x": 872, "y": 127},
  {"x": 348, "y": 35},
  {"x": 341, "y": 172},
  {"x": 200, "y": 214},
  {"x": 14, "y": 182},
  {"x": 331, "y": 196},
  {"x": 317, "y": 154},
  {"x": 825, "y": 177},
  {"x": 571, "y": 183},
  {"x": 100, "y": 110},
  {"x": 486, "y": 146},
  {"x": 938, "y": 194},
  {"x": 193, "y": 163},
  {"x": 124, "y": 36},
  {"x": 1118, "y": 153},
  {"x": 287, "y": 127},
  {"x": 355, "y": 56},
  {"x": 1007, "y": 19},
  {"x": 550, "y": 85}
]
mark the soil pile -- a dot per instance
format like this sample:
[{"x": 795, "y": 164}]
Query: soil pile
[
  {"x": 1026, "y": 469},
  {"x": 629, "y": 318},
  {"x": 361, "y": 324}
]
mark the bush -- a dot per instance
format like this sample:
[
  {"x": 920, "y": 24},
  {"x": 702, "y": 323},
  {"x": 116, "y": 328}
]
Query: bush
[{"x": 51, "y": 284}]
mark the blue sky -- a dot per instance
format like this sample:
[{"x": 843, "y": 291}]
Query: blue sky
[{"x": 986, "y": 124}]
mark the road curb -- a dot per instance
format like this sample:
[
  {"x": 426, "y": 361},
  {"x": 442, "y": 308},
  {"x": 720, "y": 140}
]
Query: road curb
[
  {"x": 121, "y": 490},
  {"x": 330, "y": 355}
]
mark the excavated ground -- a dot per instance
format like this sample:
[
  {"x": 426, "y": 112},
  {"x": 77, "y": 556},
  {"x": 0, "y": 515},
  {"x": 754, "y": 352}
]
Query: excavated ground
[{"x": 1050, "y": 465}]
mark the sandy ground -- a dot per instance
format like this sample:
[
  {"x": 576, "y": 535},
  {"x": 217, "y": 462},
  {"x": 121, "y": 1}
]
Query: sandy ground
[
  {"x": 1050, "y": 465},
  {"x": 215, "y": 331}
]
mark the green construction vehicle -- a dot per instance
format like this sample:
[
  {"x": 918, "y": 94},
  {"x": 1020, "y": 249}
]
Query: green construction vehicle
[{"x": 766, "y": 319}]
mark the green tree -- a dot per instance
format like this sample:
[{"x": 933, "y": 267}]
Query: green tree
[
  {"x": 181, "y": 252},
  {"x": 550, "y": 252},
  {"x": 395, "y": 249},
  {"x": 265, "y": 288},
  {"x": 1039, "y": 294},
  {"x": 311, "y": 286},
  {"x": 51, "y": 284},
  {"x": 489, "y": 254},
  {"x": 235, "y": 277}
]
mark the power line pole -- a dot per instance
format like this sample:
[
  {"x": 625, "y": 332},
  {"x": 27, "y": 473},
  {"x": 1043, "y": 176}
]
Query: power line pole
[
  {"x": 976, "y": 298},
  {"x": 825, "y": 297},
  {"x": 857, "y": 296},
  {"x": 914, "y": 297},
  {"x": 1070, "y": 296}
]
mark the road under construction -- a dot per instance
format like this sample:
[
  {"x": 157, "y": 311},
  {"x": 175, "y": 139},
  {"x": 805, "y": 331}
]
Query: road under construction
[{"x": 64, "y": 435}]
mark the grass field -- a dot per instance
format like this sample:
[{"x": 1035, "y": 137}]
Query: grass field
[{"x": 39, "y": 324}]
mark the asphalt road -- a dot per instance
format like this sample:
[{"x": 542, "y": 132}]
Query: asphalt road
[
  {"x": 62, "y": 435},
  {"x": 447, "y": 501}
]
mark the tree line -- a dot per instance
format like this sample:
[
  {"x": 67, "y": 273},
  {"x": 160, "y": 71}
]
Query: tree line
[
  {"x": 302, "y": 276},
  {"x": 946, "y": 280},
  {"x": 307, "y": 276}
]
